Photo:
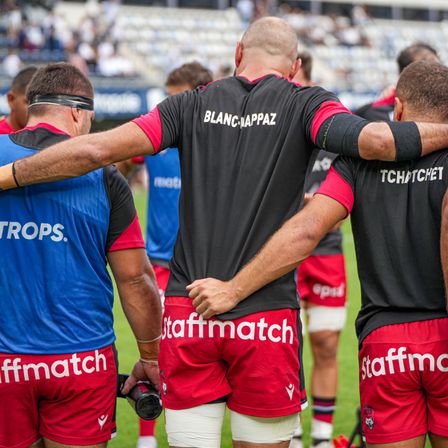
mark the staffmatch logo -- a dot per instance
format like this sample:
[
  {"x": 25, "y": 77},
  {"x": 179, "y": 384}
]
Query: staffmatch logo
[
  {"x": 13, "y": 230},
  {"x": 399, "y": 361},
  {"x": 196, "y": 327},
  {"x": 13, "y": 370}
]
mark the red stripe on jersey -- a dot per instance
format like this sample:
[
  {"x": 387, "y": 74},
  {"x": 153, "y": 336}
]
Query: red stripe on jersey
[
  {"x": 138, "y": 160},
  {"x": 325, "y": 111},
  {"x": 48, "y": 126},
  {"x": 152, "y": 127},
  {"x": 389, "y": 101},
  {"x": 131, "y": 238},
  {"x": 337, "y": 188},
  {"x": 5, "y": 127}
]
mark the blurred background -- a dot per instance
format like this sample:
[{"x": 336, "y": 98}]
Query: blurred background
[{"x": 128, "y": 47}]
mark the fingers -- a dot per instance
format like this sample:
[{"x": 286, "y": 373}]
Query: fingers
[
  {"x": 128, "y": 385},
  {"x": 152, "y": 373},
  {"x": 196, "y": 283}
]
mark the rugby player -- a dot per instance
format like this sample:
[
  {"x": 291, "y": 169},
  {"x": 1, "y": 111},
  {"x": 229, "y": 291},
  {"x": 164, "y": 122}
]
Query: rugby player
[
  {"x": 399, "y": 215},
  {"x": 163, "y": 203},
  {"x": 17, "y": 102},
  {"x": 244, "y": 145},
  {"x": 322, "y": 286},
  {"x": 58, "y": 371},
  {"x": 383, "y": 109}
]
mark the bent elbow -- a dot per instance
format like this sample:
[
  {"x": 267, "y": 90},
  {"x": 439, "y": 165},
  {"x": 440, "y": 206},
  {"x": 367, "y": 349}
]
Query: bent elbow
[
  {"x": 377, "y": 142},
  {"x": 97, "y": 154}
]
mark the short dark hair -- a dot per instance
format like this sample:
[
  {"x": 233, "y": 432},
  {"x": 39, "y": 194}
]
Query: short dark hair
[
  {"x": 192, "y": 73},
  {"x": 59, "y": 78},
  {"x": 424, "y": 86},
  {"x": 307, "y": 63},
  {"x": 22, "y": 79},
  {"x": 416, "y": 52}
]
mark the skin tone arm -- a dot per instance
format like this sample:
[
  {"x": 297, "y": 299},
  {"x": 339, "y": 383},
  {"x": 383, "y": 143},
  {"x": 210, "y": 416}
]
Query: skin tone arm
[
  {"x": 444, "y": 245},
  {"x": 289, "y": 246},
  {"x": 80, "y": 155},
  {"x": 140, "y": 300}
]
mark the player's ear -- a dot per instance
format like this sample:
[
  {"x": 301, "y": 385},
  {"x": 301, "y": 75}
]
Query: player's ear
[
  {"x": 76, "y": 114},
  {"x": 11, "y": 97},
  {"x": 398, "y": 109},
  {"x": 295, "y": 68},
  {"x": 238, "y": 54}
]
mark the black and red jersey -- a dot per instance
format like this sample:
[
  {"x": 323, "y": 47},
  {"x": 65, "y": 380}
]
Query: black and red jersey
[
  {"x": 380, "y": 110},
  {"x": 331, "y": 243},
  {"x": 396, "y": 219},
  {"x": 244, "y": 148}
]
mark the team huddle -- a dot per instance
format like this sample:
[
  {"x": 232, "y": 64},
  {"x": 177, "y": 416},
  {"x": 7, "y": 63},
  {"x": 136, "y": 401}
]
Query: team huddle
[{"x": 252, "y": 198}]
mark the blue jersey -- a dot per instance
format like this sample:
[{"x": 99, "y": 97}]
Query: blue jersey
[
  {"x": 163, "y": 207},
  {"x": 55, "y": 291}
]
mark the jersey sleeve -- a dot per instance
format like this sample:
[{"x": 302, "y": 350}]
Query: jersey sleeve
[
  {"x": 163, "y": 125},
  {"x": 124, "y": 227},
  {"x": 339, "y": 183},
  {"x": 320, "y": 107}
]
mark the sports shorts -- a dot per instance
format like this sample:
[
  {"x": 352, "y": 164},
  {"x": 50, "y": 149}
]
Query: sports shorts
[
  {"x": 321, "y": 280},
  {"x": 69, "y": 398},
  {"x": 162, "y": 276},
  {"x": 404, "y": 381},
  {"x": 254, "y": 361}
]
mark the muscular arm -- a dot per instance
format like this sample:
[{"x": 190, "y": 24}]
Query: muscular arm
[
  {"x": 444, "y": 245},
  {"x": 289, "y": 246},
  {"x": 78, "y": 156},
  {"x": 376, "y": 141},
  {"x": 140, "y": 300}
]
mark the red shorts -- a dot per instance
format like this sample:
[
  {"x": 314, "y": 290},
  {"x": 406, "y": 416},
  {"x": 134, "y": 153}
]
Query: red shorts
[
  {"x": 68, "y": 398},
  {"x": 321, "y": 280},
  {"x": 254, "y": 361},
  {"x": 404, "y": 381},
  {"x": 162, "y": 276}
]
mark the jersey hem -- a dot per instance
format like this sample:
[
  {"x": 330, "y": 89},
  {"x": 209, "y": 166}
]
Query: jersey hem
[
  {"x": 61, "y": 351},
  {"x": 77, "y": 440},
  {"x": 438, "y": 430},
  {"x": 267, "y": 413},
  {"x": 179, "y": 406},
  {"x": 25, "y": 444},
  {"x": 395, "y": 436}
]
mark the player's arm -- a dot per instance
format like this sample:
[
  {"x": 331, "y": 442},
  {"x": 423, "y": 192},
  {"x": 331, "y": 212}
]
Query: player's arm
[
  {"x": 77, "y": 156},
  {"x": 330, "y": 126},
  {"x": 140, "y": 300},
  {"x": 134, "y": 276},
  {"x": 444, "y": 245},
  {"x": 74, "y": 157},
  {"x": 289, "y": 246}
]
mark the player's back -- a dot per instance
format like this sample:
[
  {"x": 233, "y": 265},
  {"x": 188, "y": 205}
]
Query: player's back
[
  {"x": 396, "y": 222},
  {"x": 56, "y": 292},
  {"x": 244, "y": 149}
]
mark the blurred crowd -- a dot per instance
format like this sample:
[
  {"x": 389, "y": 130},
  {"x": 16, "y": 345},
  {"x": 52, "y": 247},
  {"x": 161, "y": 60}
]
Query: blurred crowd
[{"x": 36, "y": 32}]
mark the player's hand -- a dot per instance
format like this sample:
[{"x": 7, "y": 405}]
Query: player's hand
[
  {"x": 142, "y": 372},
  {"x": 212, "y": 297}
]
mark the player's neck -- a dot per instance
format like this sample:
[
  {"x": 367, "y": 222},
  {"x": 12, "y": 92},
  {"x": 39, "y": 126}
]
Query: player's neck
[
  {"x": 255, "y": 67},
  {"x": 58, "y": 122},
  {"x": 13, "y": 123}
]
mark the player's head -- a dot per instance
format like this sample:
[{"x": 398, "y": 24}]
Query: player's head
[
  {"x": 61, "y": 91},
  {"x": 303, "y": 75},
  {"x": 268, "y": 43},
  {"x": 18, "y": 104},
  {"x": 416, "y": 52},
  {"x": 422, "y": 93},
  {"x": 187, "y": 77}
]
